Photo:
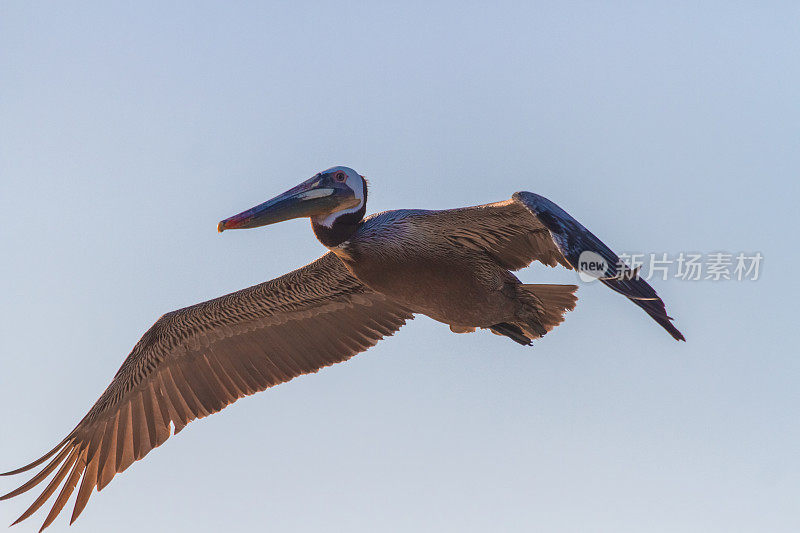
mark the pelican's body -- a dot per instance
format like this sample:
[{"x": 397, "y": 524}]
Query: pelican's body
[
  {"x": 453, "y": 266},
  {"x": 396, "y": 254},
  {"x": 402, "y": 255}
]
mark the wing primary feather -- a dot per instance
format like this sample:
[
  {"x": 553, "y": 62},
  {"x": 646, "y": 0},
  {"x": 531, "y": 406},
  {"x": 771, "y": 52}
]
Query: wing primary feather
[
  {"x": 40, "y": 460},
  {"x": 643, "y": 295},
  {"x": 67, "y": 489},
  {"x": 108, "y": 453},
  {"x": 125, "y": 453},
  {"x": 160, "y": 413},
  {"x": 88, "y": 483},
  {"x": 52, "y": 486},
  {"x": 89, "y": 479},
  {"x": 38, "y": 478}
]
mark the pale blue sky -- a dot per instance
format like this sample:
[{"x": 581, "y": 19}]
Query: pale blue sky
[{"x": 128, "y": 130}]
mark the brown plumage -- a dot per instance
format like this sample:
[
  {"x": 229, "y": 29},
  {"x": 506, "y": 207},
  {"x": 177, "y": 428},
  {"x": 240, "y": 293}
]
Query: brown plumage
[
  {"x": 195, "y": 361},
  {"x": 453, "y": 266}
]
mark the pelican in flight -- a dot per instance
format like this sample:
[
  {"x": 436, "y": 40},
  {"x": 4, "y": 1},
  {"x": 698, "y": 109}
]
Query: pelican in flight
[{"x": 454, "y": 266}]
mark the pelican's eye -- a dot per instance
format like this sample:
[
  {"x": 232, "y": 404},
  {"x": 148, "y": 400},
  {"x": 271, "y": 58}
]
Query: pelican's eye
[{"x": 340, "y": 177}]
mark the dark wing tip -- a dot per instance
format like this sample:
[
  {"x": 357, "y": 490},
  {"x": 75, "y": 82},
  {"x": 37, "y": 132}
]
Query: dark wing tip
[
  {"x": 642, "y": 294},
  {"x": 572, "y": 238}
]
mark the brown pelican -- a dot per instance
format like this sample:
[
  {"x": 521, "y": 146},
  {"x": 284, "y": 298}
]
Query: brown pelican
[{"x": 453, "y": 266}]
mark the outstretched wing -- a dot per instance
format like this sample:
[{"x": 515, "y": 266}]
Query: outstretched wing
[
  {"x": 528, "y": 228},
  {"x": 195, "y": 361}
]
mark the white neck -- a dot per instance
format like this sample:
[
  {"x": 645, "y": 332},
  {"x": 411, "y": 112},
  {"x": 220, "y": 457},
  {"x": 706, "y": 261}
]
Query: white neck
[{"x": 328, "y": 220}]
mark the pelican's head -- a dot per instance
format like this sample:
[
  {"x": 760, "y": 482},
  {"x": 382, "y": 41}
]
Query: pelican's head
[{"x": 331, "y": 198}]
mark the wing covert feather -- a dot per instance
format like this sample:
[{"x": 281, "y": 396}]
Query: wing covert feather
[{"x": 507, "y": 231}]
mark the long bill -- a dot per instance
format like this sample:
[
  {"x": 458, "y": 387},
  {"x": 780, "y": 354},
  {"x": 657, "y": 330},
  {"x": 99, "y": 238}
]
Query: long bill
[{"x": 308, "y": 199}]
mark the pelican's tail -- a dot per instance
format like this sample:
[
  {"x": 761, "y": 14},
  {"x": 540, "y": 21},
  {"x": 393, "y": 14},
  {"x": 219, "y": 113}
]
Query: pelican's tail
[
  {"x": 548, "y": 306},
  {"x": 543, "y": 309}
]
